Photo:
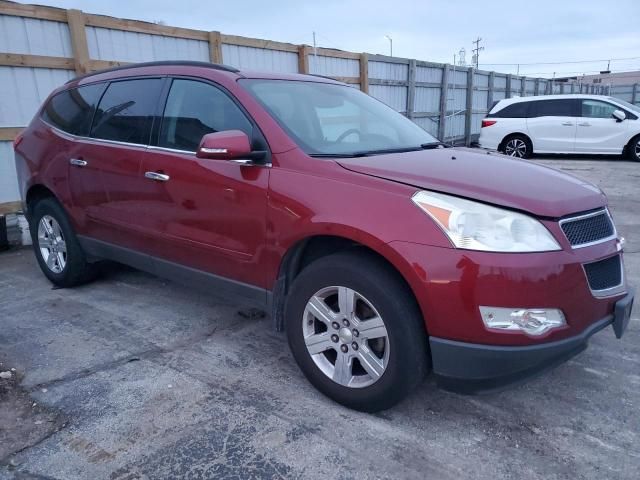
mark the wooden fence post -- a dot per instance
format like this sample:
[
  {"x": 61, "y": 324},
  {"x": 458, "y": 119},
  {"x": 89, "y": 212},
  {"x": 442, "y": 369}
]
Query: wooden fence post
[
  {"x": 444, "y": 92},
  {"x": 411, "y": 88},
  {"x": 364, "y": 72},
  {"x": 303, "y": 59},
  {"x": 215, "y": 47},
  {"x": 75, "y": 19},
  {"x": 468, "y": 116}
]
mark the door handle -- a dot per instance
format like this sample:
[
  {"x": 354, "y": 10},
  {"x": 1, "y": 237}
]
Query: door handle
[
  {"x": 568, "y": 124},
  {"x": 159, "y": 177},
  {"x": 78, "y": 162},
  {"x": 584, "y": 124}
]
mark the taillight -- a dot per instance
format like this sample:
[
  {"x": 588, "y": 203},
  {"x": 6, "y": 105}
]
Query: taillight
[
  {"x": 487, "y": 123},
  {"x": 18, "y": 139}
]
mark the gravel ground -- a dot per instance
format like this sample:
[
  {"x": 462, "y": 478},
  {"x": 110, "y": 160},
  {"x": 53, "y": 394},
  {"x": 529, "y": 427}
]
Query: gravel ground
[{"x": 135, "y": 377}]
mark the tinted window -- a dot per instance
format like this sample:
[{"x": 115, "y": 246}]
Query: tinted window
[
  {"x": 596, "y": 109},
  {"x": 194, "y": 109},
  {"x": 515, "y": 110},
  {"x": 72, "y": 110},
  {"x": 126, "y": 111},
  {"x": 553, "y": 108}
]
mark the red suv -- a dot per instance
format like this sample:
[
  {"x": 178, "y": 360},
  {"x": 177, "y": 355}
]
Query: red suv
[{"x": 382, "y": 253}]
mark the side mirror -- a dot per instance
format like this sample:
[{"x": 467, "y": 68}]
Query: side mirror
[
  {"x": 619, "y": 115},
  {"x": 227, "y": 145}
]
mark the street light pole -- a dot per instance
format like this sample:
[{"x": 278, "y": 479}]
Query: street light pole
[{"x": 390, "y": 44}]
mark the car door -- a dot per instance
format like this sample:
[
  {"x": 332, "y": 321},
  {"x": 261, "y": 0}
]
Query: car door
[
  {"x": 598, "y": 131},
  {"x": 206, "y": 214},
  {"x": 120, "y": 136},
  {"x": 551, "y": 125}
]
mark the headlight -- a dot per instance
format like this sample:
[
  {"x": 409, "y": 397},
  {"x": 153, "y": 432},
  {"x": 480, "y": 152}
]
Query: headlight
[{"x": 476, "y": 226}]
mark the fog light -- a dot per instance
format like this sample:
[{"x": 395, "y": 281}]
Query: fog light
[{"x": 532, "y": 321}]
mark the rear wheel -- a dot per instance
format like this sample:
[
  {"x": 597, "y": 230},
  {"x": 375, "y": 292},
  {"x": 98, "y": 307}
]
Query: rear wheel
[
  {"x": 634, "y": 149},
  {"x": 356, "y": 332},
  {"x": 517, "y": 146},
  {"x": 56, "y": 246}
]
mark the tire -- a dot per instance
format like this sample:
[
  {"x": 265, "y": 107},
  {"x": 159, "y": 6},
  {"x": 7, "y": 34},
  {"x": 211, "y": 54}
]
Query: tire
[
  {"x": 400, "y": 346},
  {"x": 518, "y": 146},
  {"x": 633, "y": 149},
  {"x": 54, "y": 241}
]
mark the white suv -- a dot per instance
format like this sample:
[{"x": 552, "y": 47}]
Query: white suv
[{"x": 583, "y": 124}]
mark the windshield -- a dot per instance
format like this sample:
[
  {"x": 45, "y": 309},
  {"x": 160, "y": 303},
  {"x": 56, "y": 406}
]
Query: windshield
[
  {"x": 630, "y": 106},
  {"x": 333, "y": 120}
]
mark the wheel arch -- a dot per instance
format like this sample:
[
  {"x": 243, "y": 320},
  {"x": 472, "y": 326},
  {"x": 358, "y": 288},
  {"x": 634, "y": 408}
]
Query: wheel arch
[
  {"x": 313, "y": 247},
  {"x": 34, "y": 194},
  {"x": 515, "y": 134},
  {"x": 625, "y": 149}
]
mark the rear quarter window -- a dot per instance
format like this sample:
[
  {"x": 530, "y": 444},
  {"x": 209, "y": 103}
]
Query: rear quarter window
[
  {"x": 72, "y": 110},
  {"x": 515, "y": 110}
]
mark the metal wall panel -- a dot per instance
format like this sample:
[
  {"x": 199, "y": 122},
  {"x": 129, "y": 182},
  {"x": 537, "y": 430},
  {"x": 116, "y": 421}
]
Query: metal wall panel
[
  {"x": 530, "y": 86},
  {"x": 428, "y": 74},
  {"x": 454, "y": 127},
  {"x": 480, "y": 99},
  {"x": 500, "y": 81},
  {"x": 251, "y": 58},
  {"x": 430, "y": 124},
  {"x": 427, "y": 99},
  {"x": 8, "y": 180},
  {"x": 456, "y": 99},
  {"x": 388, "y": 71},
  {"x": 395, "y": 97},
  {"x": 34, "y": 37},
  {"x": 476, "y": 121},
  {"x": 459, "y": 77},
  {"x": 497, "y": 95},
  {"x": 481, "y": 80},
  {"x": 23, "y": 89},
  {"x": 109, "y": 44},
  {"x": 334, "y": 67},
  {"x": 516, "y": 86}
]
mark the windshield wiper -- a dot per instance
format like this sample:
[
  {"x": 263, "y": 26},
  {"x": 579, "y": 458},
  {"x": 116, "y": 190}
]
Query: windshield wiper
[
  {"x": 429, "y": 146},
  {"x": 368, "y": 153}
]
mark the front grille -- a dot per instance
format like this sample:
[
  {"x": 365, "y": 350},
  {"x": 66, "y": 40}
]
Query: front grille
[
  {"x": 604, "y": 274},
  {"x": 588, "y": 228}
]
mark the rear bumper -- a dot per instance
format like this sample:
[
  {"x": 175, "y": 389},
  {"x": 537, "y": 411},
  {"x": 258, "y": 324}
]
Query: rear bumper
[{"x": 472, "y": 368}]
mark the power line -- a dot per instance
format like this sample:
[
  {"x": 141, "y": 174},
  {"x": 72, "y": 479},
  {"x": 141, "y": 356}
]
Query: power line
[{"x": 562, "y": 63}]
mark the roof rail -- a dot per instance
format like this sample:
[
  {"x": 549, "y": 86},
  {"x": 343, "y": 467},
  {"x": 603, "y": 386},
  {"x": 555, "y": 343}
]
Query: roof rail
[{"x": 190, "y": 63}]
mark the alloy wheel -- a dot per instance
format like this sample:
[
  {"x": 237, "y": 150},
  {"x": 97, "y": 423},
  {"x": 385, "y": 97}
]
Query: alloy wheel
[
  {"x": 637, "y": 149},
  {"x": 52, "y": 244},
  {"x": 516, "y": 148},
  {"x": 346, "y": 337}
]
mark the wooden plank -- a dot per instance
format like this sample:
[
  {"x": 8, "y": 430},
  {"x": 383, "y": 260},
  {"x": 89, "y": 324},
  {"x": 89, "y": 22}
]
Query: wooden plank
[
  {"x": 332, "y": 52},
  {"x": 364, "y": 72},
  {"x": 468, "y": 115},
  {"x": 303, "y": 59},
  {"x": 259, "y": 43},
  {"x": 411, "y": 88},
  {"x": 444, "y": 97},
  {"x": 76, "y": 21},
  {"x": 351, "y": 80},
  {"x": 10, "y": 207},
  {"x": 7, "y": 134},
  {"x": 32, "y": 11},
  {"x": 36, "y": 61},
  {"x": 95, "y": 65},
  {"x": 215, "y": 47},
  {"x": 139, "y": 26}
]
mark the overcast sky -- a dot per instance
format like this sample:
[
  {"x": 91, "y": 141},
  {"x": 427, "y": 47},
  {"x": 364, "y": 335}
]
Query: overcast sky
[{"x": 512, "y": 31}]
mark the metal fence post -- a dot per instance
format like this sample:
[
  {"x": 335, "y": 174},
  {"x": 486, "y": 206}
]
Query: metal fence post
[
  {"x": 444, "y": 93},
  {"x": 491, "y": 81},
  {"x": 536, "y": 89},
  {"x": 411, "y": 88},
  {"x": 468, "y": 115},
  {"x": 507, "y": 93},
  {"x": 523, "y": 87}
]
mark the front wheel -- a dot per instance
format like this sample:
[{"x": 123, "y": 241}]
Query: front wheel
[
  {"x": 634, "y": 149},
  {"x": 356, "y": 332},
  {"x": 517, "y": 146}
]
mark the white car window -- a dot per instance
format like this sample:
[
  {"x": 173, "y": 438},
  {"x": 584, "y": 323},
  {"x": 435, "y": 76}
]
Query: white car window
[{"x": 597, "y": 109}]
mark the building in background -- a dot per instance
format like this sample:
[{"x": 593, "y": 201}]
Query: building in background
[{"x": 617, "y": 78}]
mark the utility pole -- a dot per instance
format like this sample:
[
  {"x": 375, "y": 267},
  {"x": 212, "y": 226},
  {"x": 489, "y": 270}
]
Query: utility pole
[
  {"x": 315, "y": 50},
  {"x": 476, "y": 51},
  {"x": 390, "y": 45}
]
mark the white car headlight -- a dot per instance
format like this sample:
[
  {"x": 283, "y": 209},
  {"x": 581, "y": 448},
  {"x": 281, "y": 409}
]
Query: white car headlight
[{"x": 477, "y": 226}]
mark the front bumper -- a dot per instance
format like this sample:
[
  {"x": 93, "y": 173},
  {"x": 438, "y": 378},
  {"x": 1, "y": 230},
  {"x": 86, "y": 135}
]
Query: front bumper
[{"x": 471, "y": 368}]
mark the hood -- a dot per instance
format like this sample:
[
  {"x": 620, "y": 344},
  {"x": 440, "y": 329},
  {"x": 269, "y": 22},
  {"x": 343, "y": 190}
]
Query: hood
[{"x": 490, "y": 178}]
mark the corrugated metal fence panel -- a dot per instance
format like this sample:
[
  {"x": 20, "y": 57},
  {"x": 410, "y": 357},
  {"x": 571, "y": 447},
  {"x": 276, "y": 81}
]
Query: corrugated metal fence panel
[
  {"x": 459, "y": 77},
  {"x": 479, "y": 100},
  {"x": 259, "y": 59},
  {"x": 8, "y": 178},
  {"x": 110, "y": 44},
  {"x": 500, "y": 81},
  {"x": 516, "y": 86},
  {"x": 499, "y": 95},
  {"x": 454, "y": 126},
  {"x": 427, "y": 99},
  {"x": 481, "y": 80},
  {"x": 530, "y": 87},
  {"x": 430, "y": 124},
  {"x": 457, "y": 99},
  {"x": 476, "y": 121},
  {"x": 23, "y": 91},
  {"x": 395, "y": 97},
  {"x": 34, "y": 37},
  {"x": 334, "y": 67},
  {"x": 388, "y": 71},
  {"x": 623, "y": 92},
  {"x": 428, "y": 74}
]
